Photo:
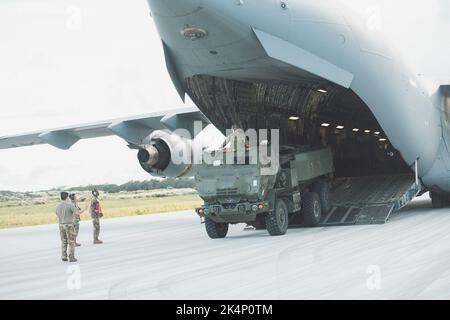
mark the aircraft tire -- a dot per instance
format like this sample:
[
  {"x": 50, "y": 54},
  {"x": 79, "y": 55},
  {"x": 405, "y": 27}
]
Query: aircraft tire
[
  {"x": 216, "y": 230},
  {"x": 311, "y": 209},
  {"x": 277, "y": 222},
  {"x": 439, "y": 200}
]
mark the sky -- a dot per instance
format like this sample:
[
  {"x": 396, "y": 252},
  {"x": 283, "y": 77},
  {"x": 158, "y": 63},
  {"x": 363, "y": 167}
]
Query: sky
[{"x": 69, "y": 62}]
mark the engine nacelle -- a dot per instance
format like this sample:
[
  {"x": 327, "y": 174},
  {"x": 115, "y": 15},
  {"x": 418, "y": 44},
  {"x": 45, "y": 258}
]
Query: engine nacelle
[{"x": 166, "y": 155}]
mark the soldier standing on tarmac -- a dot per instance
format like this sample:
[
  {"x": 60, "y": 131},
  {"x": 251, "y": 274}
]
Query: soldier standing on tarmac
[
  {"x": 66, "y": 211},
  {"x": 77, "y": 218},
  {"x": 96, "y": 214}
]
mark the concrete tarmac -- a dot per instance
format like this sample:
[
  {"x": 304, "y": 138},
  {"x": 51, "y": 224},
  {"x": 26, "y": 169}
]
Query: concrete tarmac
[{"x": 169, "y": 256}]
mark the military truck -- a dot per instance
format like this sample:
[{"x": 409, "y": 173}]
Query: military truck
[{"x": 298, "y": 192}]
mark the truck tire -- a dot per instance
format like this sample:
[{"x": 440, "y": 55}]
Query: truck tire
[
  {"x": 311, "y": 209},
  {"x": 277, "y": 222},
  {"x": 439, "y": 200},
  {"x": 216, "y": 230},
  {"x": 322, "y": 188}
]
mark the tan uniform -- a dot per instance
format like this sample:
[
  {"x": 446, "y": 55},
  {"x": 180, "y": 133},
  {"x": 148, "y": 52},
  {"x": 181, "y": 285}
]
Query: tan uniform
[{"x": 66, "y": 212}]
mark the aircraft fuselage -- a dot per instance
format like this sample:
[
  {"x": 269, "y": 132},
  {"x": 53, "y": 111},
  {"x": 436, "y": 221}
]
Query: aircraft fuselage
[{"x": 258, "y": 63}]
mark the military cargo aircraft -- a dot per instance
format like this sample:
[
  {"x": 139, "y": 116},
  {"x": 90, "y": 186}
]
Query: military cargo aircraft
[{"x": 312, "y": 70}]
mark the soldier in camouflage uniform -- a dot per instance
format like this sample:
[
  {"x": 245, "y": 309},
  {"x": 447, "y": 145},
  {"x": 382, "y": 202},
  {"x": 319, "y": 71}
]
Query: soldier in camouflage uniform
[
  {"x": 236, "y": 139},
  {"x": 237, "y": 142},
  {"x": 66, "y": 212},
  {"x": 96, "y": 214},
  {"x": 77, "y": 218}
]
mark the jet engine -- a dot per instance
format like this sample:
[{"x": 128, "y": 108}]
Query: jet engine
[{"x": 166, "y": 155}]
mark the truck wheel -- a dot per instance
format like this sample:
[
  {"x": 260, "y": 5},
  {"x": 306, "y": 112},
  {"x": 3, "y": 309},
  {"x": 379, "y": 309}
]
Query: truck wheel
[
  {"x": 322, "y": 188},
  {"x": 312, "y": 210},
  {"x": 216, "y": 230},
  {"x": 277, "y": 222},
  {"x": 438, "y": 200}
]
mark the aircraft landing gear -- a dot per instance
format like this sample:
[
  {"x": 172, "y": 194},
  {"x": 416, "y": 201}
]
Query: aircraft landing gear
[{"x": 439, "y": 200}]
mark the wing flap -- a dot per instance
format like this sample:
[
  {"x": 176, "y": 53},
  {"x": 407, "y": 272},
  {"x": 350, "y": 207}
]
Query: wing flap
[
  {"x": 26, "y": 140},
  {"x": 60, "y": 139}
]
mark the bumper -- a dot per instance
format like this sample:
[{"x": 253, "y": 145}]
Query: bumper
[{"x": 233, "y": 213}]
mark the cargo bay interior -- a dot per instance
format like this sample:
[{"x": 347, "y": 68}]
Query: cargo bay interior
[{"x": 307, "y": 114}]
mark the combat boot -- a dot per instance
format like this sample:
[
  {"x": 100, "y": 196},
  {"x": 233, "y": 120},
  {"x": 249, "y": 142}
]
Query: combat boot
[
  {"x": 97, "y": 241},
  {"x": 64, "y": 259},
  {"x": 72, "y": 260}
]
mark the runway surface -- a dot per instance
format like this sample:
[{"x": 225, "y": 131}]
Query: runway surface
[{"x": 169, "y": 256}]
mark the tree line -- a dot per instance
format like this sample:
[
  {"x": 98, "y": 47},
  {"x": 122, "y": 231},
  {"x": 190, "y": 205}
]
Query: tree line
[{"x": 153, "y": 184}]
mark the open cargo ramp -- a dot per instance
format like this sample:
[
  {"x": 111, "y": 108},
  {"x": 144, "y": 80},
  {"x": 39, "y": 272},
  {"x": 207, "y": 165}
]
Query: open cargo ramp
[{"x": 369, "y": 200}]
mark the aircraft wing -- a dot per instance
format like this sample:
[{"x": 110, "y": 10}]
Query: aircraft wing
[{"x": 133, "y": 129}]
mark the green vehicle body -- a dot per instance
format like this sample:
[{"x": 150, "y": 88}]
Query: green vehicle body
[{"x": 234, "y": 193}]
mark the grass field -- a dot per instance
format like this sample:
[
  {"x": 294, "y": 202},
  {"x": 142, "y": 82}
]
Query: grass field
[{"x": 17, "y": 214}]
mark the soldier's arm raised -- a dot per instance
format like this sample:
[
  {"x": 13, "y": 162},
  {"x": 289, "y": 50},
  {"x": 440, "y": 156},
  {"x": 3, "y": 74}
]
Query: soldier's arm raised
[
  {"x": 85, "y": 208},
  {"x": 75, "y": 210}
]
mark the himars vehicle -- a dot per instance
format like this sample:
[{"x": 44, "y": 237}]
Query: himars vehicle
[
  {"x": 312, "y": 69},
  {"x": 240, "y": 193}
]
